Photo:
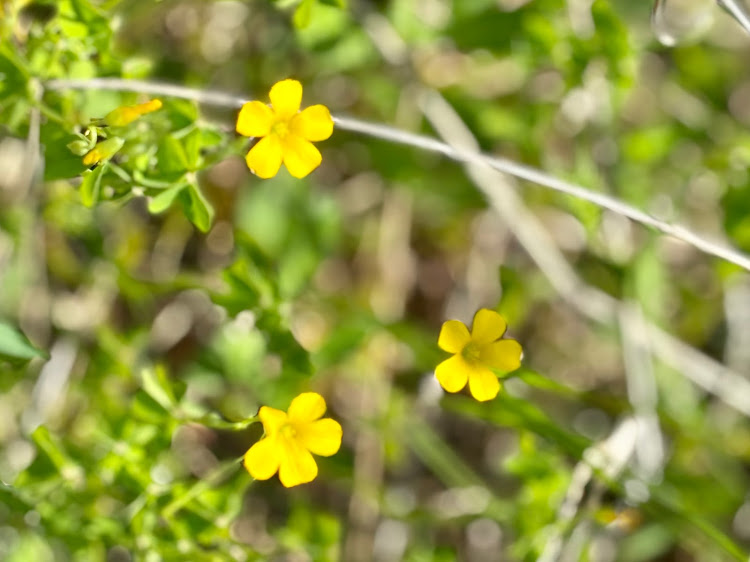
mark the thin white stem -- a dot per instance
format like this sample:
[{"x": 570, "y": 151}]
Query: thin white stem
[
  {"x": 737, "y": 11},
  {"x": 533, "y": 175},
  {"x": 642, "y": 392},
  {"x": 207, "y": 97},
  {"x": 384, "y": 132}
]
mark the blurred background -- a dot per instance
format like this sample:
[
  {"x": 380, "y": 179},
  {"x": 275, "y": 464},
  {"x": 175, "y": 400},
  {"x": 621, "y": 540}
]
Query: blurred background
[{"x": 624, "y": 436}]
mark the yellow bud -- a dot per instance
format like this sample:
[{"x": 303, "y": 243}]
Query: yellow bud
[
  {"x": 149, "y": 106},
  {"x": 121, "y": 116},
  {"x": 91, "y": 157},
  {"x": 103, "y": 151},
  {"x": 126, "y": 114}
]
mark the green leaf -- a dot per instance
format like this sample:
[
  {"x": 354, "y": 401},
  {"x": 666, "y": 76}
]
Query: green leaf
[
  {"x": 138, "y": 177},
  {"x": 156, "y": 384},
  {"x": 303, "y": 14},
  {"x": 193, "y": 144},
  {"x": 53, "y": 447},
  {"x": 12, "y": 70},
  {"x": 145, "y": 408},
  {"x": 197, "y": 208},
  {"x": 87, "y": 13},
  {"x": 508, "y": 411},
  {"x": 164, "y": 200},
  {"x": 172, "y": 157},
  {"x": 537, "y": 380},
  {"x": 15, "y": 346},
  {"x": 211, "y": 137},
  {"x": 59, "y": 161},
  {"x": 12, "y": 499},
  {"x": 181, "y": 113},
  {"x": 91, "y": 185}
]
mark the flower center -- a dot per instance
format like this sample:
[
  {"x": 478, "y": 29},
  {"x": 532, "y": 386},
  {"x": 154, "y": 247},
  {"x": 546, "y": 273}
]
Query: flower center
[
  {"x": 288, "y": 431},
  {"x": 472, "y": 352},
  {"x": 280, "y": 129}
]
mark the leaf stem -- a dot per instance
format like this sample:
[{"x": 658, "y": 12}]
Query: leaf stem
[
  {"x": 214, "y": 421},
  {"x": 217, "y": 475}
]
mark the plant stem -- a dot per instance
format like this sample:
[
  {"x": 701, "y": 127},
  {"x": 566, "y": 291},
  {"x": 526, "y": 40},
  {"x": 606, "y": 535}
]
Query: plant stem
[{"x": 217, "y": 475}]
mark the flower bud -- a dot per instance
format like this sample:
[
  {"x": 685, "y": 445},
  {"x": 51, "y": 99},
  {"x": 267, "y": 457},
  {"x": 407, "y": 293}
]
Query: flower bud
[
  {"x": 126, "y": 114},
  {"x": 103, "y": 151},
  {"x": 79, "y": 147}
]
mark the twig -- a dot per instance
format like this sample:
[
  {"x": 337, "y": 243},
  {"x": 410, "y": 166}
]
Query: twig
[
  {"x": 701, "y": 369},
  {"x": 52, "y": 384},
  {"x": 533, "y": 175},
  {"x": 721, "y": 381},
  {"x": 384, "y": 132},
  {"x": 218, "y": 474},
  {"x": 737, "y": 11},
  {"x": 737, "y": 314},
  {"x": 610, "y": 458},
  {"x": 207, "y": 97},
  {"x": 642, "y": 392}
]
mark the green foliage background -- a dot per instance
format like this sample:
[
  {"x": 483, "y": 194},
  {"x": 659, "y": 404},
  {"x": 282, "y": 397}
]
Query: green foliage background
[{"x": 169, "y": 293}]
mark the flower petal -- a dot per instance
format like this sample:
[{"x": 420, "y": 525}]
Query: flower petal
[
  {"x": 454, "y": 336},
  {"x": 453, "y": 373},
  {"x": 313, "y": 124},
  {"x": 264, "y": 159},
  {"x": 300, "y": 157},
  {"x": 262, "y": 459},
  {"x": 503, "y": 355},
  {"x": 286, "y": 97},
  {"x": 322, "y": 437},
  {"x": 255, "y": 119},
  {"x": 488, "y": 326},
  {"x": 483, "y": 384},
  {"x": 306, "y": 408},
  {"x": 297, "y": 465},
  {"x": 272, "y": 420}
]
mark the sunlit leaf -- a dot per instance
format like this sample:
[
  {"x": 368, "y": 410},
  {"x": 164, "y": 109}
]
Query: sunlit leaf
[
  {"x": 197, "y": 208},
  {"x": 303, "y": 14},
  {"x": 91, "y": 186},
  {"x": 161, "y": 202},
  {"x": 15, "y": 346},
  {"x": 172, "y": 158}
]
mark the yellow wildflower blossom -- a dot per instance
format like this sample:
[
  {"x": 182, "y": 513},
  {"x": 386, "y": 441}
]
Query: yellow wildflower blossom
[
  {"x": 289, "y": 440},
  {"x": 286, "y": 131},
  {"x": 476, "y": 354},
  {"x": 126, "y": 114},
  {"x": 103, "y": 151}
]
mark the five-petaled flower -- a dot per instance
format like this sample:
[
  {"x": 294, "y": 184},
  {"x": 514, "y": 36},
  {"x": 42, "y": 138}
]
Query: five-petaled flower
[
  {"x": 476, "y": 354},
  {"x": 286, "y": 131},
  {"x": 290, "y": 438}
]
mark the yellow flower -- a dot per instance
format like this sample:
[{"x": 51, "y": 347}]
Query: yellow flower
[
  {"x": 286, "y": 131},
  {"x": 126, "y": 114},
  {"x": 103, "y": 151},
  {"x": 476, "y": 354},
  {"x": 290, "y": 438}
]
